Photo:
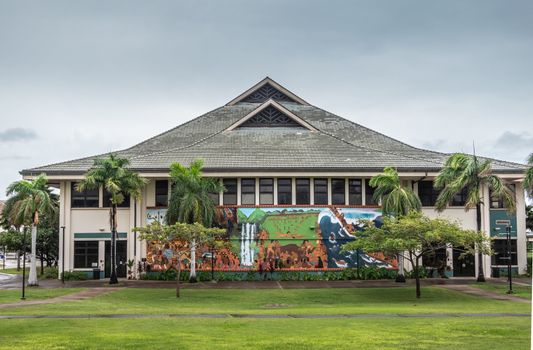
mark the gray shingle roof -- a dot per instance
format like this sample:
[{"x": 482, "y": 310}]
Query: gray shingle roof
[{"x": 339, "y": 145}]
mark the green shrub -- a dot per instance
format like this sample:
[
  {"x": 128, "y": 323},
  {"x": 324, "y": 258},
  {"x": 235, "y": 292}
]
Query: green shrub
[
  {"x": 50, "y": 273},
  {"x": 75, "y": 276}
]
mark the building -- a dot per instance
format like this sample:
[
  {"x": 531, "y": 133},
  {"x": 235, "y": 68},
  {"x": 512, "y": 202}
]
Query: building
[{"x": 297, "y": 183}]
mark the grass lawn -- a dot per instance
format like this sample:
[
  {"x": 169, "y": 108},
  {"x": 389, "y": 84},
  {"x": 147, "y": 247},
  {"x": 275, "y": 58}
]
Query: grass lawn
[
  {"x": 13, "y": 271},
  {"x": 166, "y": 333},
  {"x": 380, "y": 332},
  {"x": 34, "y": 293},
  {"x": 519, "y": 291},
  {"x": 277, "y": 301}
]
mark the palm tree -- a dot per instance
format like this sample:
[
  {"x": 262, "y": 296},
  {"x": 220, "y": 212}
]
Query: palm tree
[
  {"x": 30, "y": 200},
  {"x": 396, "y": 200},
  {"x": 112, "y": 174},
  {"x": 190, "y": 200},
  {"x": 528, "y": 181},
  {"x": 462, "y": 171}
]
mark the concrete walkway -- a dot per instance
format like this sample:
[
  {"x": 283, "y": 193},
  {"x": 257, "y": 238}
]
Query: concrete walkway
[
  {"x": 86, "y": 294},
  {"x": 484, "y": 293},
  {"x": 262, "y": 316}
]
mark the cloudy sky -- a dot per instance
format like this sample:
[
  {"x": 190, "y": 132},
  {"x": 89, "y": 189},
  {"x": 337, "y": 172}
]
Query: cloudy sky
[{"x": 81, "y": 78}]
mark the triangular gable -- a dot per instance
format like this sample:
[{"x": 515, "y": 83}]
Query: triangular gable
[
  {"x": 267, "y": 89},
  {"x": 271, "y": 114}
]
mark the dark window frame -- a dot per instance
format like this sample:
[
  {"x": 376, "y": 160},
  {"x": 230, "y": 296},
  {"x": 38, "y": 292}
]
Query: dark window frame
[
  {"x": 369, "y": 193},
  {"x": 106, "y": 200},
  {"x": 336, "y": 191},
  {"x": 320, "y": 187},
  {"x": 248, "y": 188},
  {"x": 303, "y": 191},
  {"x": 161, "y": 193},
  {"x": 230, "y": 184},
  {"x": 84, "y": 199},
  {"x": 284, "y": 195},
  {"x": 500, "y": 252},
  {"x": 353, "y": 193},
  {"x": 427, "y": 193},
  {"x": 86, "y": 251},
  {"x": 266, "y": 187}
]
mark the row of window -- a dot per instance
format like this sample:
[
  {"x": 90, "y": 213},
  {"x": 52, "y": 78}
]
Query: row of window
[
  {"x": 427, "y": 193},
  {"x": 302, "y": 191},
  {"x": 428, "y": 196}
]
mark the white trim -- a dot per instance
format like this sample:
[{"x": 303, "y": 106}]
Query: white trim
[
  {"x": 259, "y": 85},
  {"x": 272, "y": 103}
]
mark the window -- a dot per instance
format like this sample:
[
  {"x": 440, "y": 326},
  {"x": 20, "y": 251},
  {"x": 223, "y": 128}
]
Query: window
[
  {"x": 303, "y": 189},
  {"x": 266, "y": 191},
  {"x": 215, "y": 196},
  {"x": 369, "y": 193},
  {"x": 338, "y": 191},
  {"x": 284, "y": 191},
  {"x": 161, "y": 193},
  {"x": 230, "y": 196},
  {"x": 248, "y": 191},
  {"x": 459, "y": 200},
  {"x": 107, "y": 200},
  {"x": 85, "y": 254},
  {"x": 500, "y": 256},
  {"x": 427, "y": 193},
  {"x": 355, "y": 190},
  {"x": 497, "y": 202},
  {"x": 321, "y": 191},
  {"x": 84, "y": 199}
]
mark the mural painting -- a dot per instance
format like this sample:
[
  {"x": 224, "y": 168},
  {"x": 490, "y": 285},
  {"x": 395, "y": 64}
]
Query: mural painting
[{"x": 285, "y": 239}]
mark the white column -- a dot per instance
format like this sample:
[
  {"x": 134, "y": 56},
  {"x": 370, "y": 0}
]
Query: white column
[
  {"x": 293, "y": 185},
  {"x": 346, "y": 191},
  {"x": 275, "y": 191},
  {"x": 329, "y": 190},
  {"x": 521, "y": 240},
  {"x": 62, "y": 199},
  {"x": 239, "y": 191},
  {"x": 363, "y": 191},
  {"x": 311, "y": 191}
]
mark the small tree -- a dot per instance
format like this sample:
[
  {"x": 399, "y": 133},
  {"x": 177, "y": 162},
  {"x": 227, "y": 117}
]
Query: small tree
[
  {"x": 190, "y": 200},
  {"x": 396, "y": 200},
  {"x": 113, "y": 175},
  {"x": 415, "y": 235},
  {"x": 13, "y": 240},
  {"x": 464, "y": 172},
  {"x": 31, "y": 200},
  {"x": 180, "y": 237}
]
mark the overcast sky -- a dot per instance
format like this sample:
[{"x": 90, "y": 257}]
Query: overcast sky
[{"x": 82, "y": 78}]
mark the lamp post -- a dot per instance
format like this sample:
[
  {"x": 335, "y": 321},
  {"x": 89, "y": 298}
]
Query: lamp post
[
  {"x": 509, "y": 260},
  {"x": 23, "y": 297},
  {"x": 63, "y": 255}
]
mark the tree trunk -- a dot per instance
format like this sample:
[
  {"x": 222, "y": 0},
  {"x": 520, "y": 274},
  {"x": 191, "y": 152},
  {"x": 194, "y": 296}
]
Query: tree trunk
[
  {"x": 401, "y": 275},
  {"x": 192, "y": 276},
  {"x": 113, "y": 277},
  {"x": 480, "y": 273},
  {"x": 42, "y": 265},
  {"x": 32, "y": 279},
  {"x": 417, "y": 278}
]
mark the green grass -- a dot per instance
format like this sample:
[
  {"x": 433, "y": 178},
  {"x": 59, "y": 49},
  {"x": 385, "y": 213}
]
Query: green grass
[
  {"x": 167, "y": 333},
  {"x": 277, "y": 301},
  {"x": 519, "y": 291},
  {"x": 34, "y": 293},
  {"x": 13, "y": 271}
]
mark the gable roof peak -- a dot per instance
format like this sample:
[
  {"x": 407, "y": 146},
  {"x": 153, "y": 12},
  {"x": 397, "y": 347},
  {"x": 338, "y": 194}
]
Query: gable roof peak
[{"x": 267, "y": 89}]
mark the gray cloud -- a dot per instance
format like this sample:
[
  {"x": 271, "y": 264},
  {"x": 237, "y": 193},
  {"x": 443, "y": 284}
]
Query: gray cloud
[{"x": 17, "y": 134}]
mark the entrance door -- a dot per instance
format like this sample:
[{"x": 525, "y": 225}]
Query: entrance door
[
  {"x": 463, "y": 267},
  {"x": 121, "y": 258}
]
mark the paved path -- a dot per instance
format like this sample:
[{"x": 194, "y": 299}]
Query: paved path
[
  {"x": 262, "y": 316},
  {"x": 484, "y": 293},
  {"x": 86, "y": 294}
]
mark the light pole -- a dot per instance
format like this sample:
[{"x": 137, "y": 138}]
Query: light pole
[
  {"x": 63, "y": 255},
  {"x": 23, "y": 297}
]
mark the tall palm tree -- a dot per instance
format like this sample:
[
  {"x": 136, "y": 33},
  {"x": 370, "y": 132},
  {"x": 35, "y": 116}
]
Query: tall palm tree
[
  {"x": 30, "y": 200},
  {"x": 396, "y": 200},
  {"x": 528, "y": 181},
  {"x": 190, "y": 200},
  {"x": 462, "y": 171},
  {"x": 112, "y": 174}
]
